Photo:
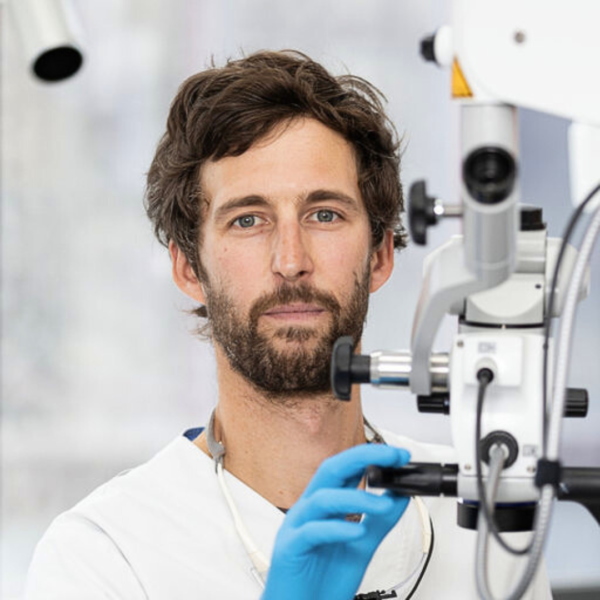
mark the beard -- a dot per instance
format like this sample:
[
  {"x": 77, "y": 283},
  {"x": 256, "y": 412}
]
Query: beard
[{"x": 302, "y": 366}]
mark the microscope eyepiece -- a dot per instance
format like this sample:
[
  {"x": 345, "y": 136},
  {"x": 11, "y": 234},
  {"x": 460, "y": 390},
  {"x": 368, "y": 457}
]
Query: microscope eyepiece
[
  {"x": 489, "y": 173},
  {"x": 348, "y": 368}
]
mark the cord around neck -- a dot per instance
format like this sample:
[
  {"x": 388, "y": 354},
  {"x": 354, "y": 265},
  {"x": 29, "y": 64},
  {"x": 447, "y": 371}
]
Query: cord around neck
[{"x": 217, "y": 449}]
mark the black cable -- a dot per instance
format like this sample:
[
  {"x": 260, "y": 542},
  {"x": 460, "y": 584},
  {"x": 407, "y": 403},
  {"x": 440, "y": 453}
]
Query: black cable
[
  {"x": 425, "y": 566},
  {"x": 485, "y": 377},
  {"x": 429, "y": 553},
  {"x": 575, "y": 216},
  {"x": 380, "y": 595}
]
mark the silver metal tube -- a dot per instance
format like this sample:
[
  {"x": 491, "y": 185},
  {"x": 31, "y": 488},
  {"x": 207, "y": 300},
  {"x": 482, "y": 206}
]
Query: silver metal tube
[
  {"x": 393, "y": 369},
  {"x": 452, "y": 210},
  {"x": 447, "y": 210},
  {"x": 439, "y": 367}
]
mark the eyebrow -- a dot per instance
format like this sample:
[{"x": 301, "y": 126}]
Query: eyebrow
[
  {"x": 320, "y": 195},
  {"x": 255, "y": 200},
  {"x": 236, "y": 203}
]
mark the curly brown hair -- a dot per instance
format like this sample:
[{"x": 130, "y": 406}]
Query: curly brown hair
[{"x": 223, "y": 111}]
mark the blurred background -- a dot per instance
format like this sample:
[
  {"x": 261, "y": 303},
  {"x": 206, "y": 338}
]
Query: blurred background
[{"x": 99, "y": 366}]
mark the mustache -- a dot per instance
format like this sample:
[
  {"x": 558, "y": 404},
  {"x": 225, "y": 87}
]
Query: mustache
[{"x": 286, "y": 294}]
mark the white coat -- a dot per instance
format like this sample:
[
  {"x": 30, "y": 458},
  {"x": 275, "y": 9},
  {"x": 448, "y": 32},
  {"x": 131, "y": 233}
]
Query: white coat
[{"x": 164, "y": 531}]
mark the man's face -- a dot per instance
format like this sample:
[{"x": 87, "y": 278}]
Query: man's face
[{"x": 286, "y": 256}]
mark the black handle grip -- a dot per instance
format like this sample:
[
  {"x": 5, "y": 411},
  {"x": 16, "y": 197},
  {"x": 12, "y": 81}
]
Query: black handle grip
[{"x": 416, "y": 479}]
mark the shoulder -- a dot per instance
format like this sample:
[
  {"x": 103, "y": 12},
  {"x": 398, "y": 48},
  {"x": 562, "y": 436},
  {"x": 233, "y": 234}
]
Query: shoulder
[
  {"x": 98, "y": 542},
  {"x": 77, "y": 559},
  {"x": 179, "y": 469},
  {"x": 177, "y": 479}
]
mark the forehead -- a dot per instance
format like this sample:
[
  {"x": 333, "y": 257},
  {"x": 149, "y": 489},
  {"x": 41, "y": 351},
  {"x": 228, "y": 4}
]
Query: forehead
[{"x": 293, "y": 160}]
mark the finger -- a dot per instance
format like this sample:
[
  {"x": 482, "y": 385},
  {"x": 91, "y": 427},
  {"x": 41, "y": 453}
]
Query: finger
[
  {"x": 319, "y": 533},
  {"x": 379, "y": 525},
  {"x": 342, "y": 469},
  {"x": 328, "y": 503}
]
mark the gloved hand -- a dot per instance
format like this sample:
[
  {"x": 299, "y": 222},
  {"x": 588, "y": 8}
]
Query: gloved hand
[{"x": 318, "y": 554}]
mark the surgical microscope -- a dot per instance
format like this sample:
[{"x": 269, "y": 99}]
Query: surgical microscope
[{"x": 503, "y": 381}]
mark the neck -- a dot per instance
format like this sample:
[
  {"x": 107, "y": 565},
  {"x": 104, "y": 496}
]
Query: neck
[{"x": 275, "y": 448}]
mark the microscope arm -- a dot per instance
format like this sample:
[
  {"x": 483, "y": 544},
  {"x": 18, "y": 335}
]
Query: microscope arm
[{"x": 446, "y": 283}]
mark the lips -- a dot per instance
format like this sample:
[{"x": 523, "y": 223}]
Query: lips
[{"x": 295, "y": 311}]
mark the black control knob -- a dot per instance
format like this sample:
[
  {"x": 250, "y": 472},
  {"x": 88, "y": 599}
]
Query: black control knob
[
  {"x": 531, "y": 218},
  {"x": 577, "y": 403},
  {"x": 421, "y": 212},
  {"x": 428, "y": 48},
  {"x": 436, "y": 403},
  {"x": 348, "y": 368}
]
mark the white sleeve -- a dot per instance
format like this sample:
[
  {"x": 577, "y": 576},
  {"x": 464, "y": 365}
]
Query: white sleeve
[{"x": 77, "y": 559}]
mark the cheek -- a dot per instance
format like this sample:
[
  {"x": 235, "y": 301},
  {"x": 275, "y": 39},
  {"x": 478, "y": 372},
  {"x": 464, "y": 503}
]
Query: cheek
[
  {"x": 237, "y": 270},
  {"x": 344, "y": 263}
]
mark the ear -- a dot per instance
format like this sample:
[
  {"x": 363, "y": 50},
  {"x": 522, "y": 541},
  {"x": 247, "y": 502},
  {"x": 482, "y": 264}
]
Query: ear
[
  {"x": 382, "y": 262},
  {"x": 184, "y": 276}
]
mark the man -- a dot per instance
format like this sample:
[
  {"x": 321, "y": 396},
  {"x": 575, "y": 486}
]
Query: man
[{"x": 276, "y": 188}]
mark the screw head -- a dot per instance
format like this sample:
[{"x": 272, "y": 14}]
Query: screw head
[
  {"x": 460, "y": 343},
  {"x": 520, "y": 37}
]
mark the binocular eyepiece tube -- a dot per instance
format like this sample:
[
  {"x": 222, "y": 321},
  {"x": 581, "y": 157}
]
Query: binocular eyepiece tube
[{"x": 383, "y": 369}]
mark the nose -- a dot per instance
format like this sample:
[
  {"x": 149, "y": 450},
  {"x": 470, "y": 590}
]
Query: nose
[{"x": 291, "y": 256}]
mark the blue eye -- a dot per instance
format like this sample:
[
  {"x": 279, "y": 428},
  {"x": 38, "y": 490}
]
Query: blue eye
[
  {"x": 246, "y": 221},
  {"x": 325, "y": 216}
]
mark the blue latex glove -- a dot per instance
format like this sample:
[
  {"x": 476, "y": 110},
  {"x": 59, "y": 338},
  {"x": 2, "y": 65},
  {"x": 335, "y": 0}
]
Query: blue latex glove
[{"x": 318, "y": 554}]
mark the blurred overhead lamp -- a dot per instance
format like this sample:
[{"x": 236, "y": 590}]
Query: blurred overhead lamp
[{"x": 47, "y": 31}]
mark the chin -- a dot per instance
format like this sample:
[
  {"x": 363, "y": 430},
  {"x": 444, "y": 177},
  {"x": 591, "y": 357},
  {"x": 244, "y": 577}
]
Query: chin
[{"x": 298, "y": 335}]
